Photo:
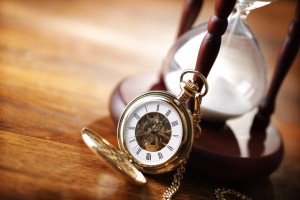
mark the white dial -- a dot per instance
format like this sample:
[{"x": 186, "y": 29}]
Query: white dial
[{"x": 153, "y": 132}]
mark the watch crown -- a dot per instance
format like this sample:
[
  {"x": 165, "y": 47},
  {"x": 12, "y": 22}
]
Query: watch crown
[
  {"x": 192, "y": 85},
  {"x": 188, "y": 89}
]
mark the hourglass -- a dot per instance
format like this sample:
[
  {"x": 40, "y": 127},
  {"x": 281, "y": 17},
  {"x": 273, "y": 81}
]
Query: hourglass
[
  {"x": 231, "y": 149},
  {"x": 244, "y": 149}
]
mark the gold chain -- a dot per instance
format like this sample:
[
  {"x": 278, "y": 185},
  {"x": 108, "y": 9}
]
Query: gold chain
[
  {"x": 178, "y": 176},
  {"x": 221, "y": 194},
  {"x": 189, "y": 89}
]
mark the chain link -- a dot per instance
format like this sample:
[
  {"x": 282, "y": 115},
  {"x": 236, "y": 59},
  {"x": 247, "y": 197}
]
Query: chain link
[
  {"x": 178, "y": 176},
  {"x": 221, "y": 194}
]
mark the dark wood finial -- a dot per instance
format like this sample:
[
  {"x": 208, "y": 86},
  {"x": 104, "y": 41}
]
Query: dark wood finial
[
  {"x": 190, "y": 12},
  {"x": 211, "y": 43},
  {"x": 287, "y": 54}
]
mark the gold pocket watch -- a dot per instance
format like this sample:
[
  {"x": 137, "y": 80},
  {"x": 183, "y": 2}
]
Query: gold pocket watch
[{"x": 155, "y": 133}]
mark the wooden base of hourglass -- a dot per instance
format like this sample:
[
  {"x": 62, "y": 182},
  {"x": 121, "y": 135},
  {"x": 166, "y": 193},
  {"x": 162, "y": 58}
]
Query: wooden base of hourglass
[{"x": 232, "y": 151}]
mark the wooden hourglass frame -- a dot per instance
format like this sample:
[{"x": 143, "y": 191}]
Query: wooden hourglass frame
[{"x": 241, "y": 149}]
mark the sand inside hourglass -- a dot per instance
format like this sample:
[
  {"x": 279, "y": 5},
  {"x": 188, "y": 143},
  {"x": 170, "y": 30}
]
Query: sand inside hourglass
[{"x": 230, "y": 84}]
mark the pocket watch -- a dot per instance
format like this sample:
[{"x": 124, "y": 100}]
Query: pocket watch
[{"x": 155, "y": 133}]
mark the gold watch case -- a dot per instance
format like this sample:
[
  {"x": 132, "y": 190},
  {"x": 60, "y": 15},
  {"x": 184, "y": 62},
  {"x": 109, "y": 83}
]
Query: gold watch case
[
  {"x": 123, "y": 160},
  {"x": 107, "y": 153}
]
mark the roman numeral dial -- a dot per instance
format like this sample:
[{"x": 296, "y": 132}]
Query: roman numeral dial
[{"x": 153, "y": 132}]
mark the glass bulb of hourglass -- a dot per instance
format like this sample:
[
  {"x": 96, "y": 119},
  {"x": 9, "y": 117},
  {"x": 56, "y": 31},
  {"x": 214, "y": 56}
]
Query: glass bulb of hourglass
[
  {"x": 248, "y": 5},
  {"x": 237, "y": 80}
]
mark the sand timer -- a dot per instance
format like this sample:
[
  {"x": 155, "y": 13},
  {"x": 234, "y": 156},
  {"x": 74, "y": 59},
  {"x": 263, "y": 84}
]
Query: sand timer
[{"x": 238, "y": 77}]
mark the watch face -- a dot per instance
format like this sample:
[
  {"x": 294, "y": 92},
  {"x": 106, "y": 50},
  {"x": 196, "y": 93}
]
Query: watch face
[{"x": 151, "y": 131}]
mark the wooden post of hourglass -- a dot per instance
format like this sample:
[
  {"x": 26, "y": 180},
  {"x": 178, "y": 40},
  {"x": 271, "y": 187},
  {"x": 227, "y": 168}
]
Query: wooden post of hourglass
[
  {"x": 190, "y": 12},
  {"x": 287, "y": 55},
  {"x": 211, "y": 43},
  {"x": 191, "y": 9},
  {"x": 266, "y": 107}
]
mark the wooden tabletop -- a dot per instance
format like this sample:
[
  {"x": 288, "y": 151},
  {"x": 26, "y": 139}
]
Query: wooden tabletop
[{"x": 59, "y": 63}]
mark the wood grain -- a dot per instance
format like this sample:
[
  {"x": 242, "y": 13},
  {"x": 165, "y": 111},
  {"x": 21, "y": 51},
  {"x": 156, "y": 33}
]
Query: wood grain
[{"x": 59, "y": 62}]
